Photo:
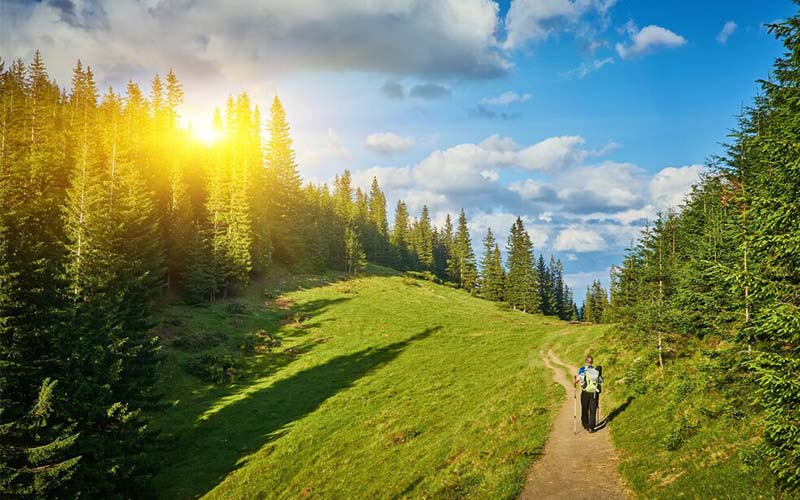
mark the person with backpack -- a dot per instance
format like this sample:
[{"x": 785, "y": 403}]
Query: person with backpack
[{"x": 591, "y": 380}]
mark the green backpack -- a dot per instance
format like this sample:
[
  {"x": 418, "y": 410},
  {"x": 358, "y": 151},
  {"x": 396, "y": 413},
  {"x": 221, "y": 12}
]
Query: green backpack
[{"x": 591, "y": 379}]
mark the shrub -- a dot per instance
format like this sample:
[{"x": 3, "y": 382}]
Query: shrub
[
  {"x": 216, "y": 368},
  {"x": 260, "y": 342},
  {"x": 682, "y": 431},
  {"x": 198, "y": 341},
  {"x": 236, "y": 308}
]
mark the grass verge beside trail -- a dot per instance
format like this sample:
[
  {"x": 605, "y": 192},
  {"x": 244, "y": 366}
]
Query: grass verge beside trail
[
  {"x": 383, "y": 386},
  {"x": 675, "y": 435}
]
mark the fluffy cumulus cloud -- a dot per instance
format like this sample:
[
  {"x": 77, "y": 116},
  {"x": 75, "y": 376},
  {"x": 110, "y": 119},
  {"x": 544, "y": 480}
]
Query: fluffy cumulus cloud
[
  {"x": 474, "y": 167},
  {"x": 669, "y": 187},
  {"x": 388, "y": 143},
  {"x": 532, "y": 190},
  {"x": 727, "y": 30},
  {"x": 394, "y": 179},
  {"x": 607, "y": 186},
  {"x": 249, "y": 37},
  {"x": 577, "y": 239},
  {"x": 572, "y": 201},
  {"x": 647, "y": 40},
  {"x": 530, "y": 21},
  {"x": 553, "y": 153}
]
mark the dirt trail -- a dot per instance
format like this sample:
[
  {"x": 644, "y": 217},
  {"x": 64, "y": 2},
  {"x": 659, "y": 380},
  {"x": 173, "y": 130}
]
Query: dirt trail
[{"x": 573, "y": 466}]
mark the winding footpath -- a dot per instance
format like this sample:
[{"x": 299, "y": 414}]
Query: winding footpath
[{"x": 573, "y": 466}]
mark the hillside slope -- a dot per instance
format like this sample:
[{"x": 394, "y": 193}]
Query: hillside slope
[{"x": 384, "y": 386}]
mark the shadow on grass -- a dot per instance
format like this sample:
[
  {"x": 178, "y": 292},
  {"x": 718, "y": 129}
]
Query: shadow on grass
[
  {"x": 613, "y": 414},
  {"x": 217, "y": 445}
]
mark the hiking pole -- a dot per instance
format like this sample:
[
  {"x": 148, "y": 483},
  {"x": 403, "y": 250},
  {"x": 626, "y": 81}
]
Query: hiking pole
[
  {"x": 575, "y": 408},
  {"x": 599, "y": 390}
]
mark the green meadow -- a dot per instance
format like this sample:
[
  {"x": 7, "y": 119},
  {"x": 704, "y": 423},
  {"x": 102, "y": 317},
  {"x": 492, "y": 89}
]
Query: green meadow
[
  {"x": 382, "y": 386},
  {"x": 390, "y": 386}
]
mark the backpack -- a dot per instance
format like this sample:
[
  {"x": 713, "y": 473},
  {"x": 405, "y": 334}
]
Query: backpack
[{"x": 591, "y": 379}]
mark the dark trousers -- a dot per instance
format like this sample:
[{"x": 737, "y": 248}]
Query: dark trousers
[{"x": 589, "y": 409}]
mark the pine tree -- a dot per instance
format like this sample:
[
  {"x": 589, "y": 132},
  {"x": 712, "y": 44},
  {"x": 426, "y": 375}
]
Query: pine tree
[
  {"x": 422, "y": 240},
  {"x": 462, "y": 263},
  {"x": 557, "y": 286},
  {"x": 37, "y": 452},
  {"x": 546, "y": 295},
  {"x": 356, "y": 258},
  {"x": 380, "y": 224},
  {"x": 114, "y": 265},
  {"x": 521, "y": 282},
  {"x": 492, "y": 275},
  {"x": 284, "y": 205},
  {"x": 401, "y": 237}
]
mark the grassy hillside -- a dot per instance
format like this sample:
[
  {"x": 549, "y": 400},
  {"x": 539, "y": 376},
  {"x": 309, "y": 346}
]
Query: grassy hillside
[
  {"x": 676, "y": 435},
  {"x": 384, "y": 386},
  {"x": 388, "y": 386}
]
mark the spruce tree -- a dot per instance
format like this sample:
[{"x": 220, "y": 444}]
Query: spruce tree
[
  {"x": 422, "y": 240},
  {"x": 401, "y": 237},
  {"x": 379, "y": 222},
  {"x": 492, "y": 274},
  {"x": 37, "y": 442},
  {"x": 284, "y": 205},
  {"x": 521, "y": 281},
  {"x": 462, "y": 266}
]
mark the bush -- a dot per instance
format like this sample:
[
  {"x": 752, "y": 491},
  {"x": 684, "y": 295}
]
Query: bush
[
  {"x": 682, "y": 431},
  {"x": 198, "y": 341},
  {"x": 216, "y": 368},
  {"x": 236, "y": 308},
  {"x": 260, "y": 342},
  {"x": 683, "y": 389}
]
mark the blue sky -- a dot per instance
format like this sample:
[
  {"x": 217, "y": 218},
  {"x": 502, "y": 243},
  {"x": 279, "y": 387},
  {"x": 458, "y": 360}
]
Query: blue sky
[{"x": 585, "y": 117}]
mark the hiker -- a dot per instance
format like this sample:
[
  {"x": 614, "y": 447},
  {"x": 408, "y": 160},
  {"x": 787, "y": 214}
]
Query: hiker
[{"x": 591, "y": 381}]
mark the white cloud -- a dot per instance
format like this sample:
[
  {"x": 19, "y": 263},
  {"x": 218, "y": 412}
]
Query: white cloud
[
  {"x": 531, "y": 21},
  {"x": 585, "y": 68},
  {"x": 389, "y": 178},
  {"x": 388, "y": 143},
  {"x": 506, "y": 98},
  {"x": 727, "y": 30},
  {"x": 459, "y": 168},
  {"x": 498, "y": 143},
  {"x": 416, "y": 199},
  {"x": 247, "y": 38},
  {"x": 648, "y": 39},
  {"x": 580, "y": 240},
  {"x": 609, "y": 185},
  {"x": 474, "y": 167},
  {"x": 669, "y": 186},
  {"x": 553, "y": 153},
  {"x": 531, "y": 190}
]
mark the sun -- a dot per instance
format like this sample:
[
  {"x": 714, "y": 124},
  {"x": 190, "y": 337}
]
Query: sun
[{"x": 207, "y": 135}]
